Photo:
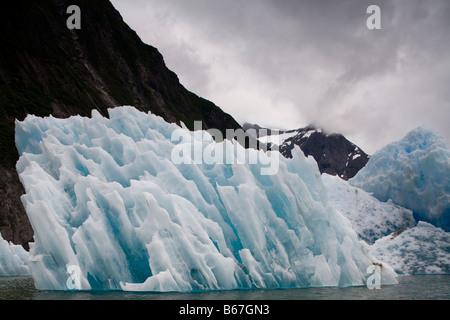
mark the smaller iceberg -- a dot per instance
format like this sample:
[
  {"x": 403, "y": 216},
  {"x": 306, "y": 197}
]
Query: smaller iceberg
[
  {"x": 424, "y": 249},
  {"x": 13, "y": 259},
  {"x": 370, "y": 218},
  {"x": 414, "y": 173}
]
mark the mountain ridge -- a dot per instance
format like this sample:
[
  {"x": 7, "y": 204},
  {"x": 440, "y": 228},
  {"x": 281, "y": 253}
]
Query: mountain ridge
[{"x": 334, "y": 154}]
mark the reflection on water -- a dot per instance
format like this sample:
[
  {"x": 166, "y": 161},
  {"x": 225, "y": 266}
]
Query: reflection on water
[{"x": 409, "y": 287}]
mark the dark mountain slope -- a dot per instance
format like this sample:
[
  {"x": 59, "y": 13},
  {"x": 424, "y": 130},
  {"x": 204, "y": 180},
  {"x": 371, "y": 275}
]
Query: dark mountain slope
[
  {"x": 45, "y": 68},
  {"x": 334, "y": 154}
]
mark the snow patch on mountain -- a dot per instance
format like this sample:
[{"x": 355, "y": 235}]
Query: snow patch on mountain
[{"x": 334, "y": 154}]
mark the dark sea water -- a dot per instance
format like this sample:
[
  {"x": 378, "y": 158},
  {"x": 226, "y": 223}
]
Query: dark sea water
[{"x": 417, "y": 287}]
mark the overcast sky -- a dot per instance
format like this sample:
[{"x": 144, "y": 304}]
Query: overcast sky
[{"x": 289, "y": 63}]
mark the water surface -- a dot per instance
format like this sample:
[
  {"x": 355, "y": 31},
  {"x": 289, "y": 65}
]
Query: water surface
[{"x": 417, "y": 287}]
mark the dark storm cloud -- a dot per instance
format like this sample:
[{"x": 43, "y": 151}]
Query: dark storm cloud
[{"x": 287, "y": 63}]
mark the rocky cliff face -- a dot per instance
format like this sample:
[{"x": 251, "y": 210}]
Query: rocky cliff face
[
  {"x": 45, "y": 68},
  {"x": 334, "y": 154}
]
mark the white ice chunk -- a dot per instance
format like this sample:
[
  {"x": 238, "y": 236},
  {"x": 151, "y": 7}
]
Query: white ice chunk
[
  {"x": 370, "y": 218},
  {"x": 423, "y": 249},
  {"x": 414, "y": 173},
  {"x": 13, "y": 259}
]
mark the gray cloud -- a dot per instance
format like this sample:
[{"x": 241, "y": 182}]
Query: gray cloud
[{"x": 288, "y": 63}]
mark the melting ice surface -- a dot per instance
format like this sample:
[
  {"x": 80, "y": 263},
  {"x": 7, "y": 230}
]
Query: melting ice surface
[
  {"x": 414, "y": 173},
  {"x": 13, "y": 259},
  {"x": 103, "y": 195}
]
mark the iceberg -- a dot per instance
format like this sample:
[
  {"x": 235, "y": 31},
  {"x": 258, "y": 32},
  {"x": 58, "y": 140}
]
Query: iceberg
[
  {"x": 370, "y": 218},
  {"x": 112, "y": 211},
  {"x": 414, "y": 173},
  {"x": 13, "y": 259},
  {"x": 423, "y": 249}
]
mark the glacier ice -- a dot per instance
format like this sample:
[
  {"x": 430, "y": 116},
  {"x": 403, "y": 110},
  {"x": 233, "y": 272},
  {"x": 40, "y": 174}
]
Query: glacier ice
[
  {"x": 423, "y": 249},
  {"x": 13, "y": 259},
  {"x": 391, "y": 230},
  {"x": 104, "y": 198},
  {"x": 414, "y": 173},
  {"x": 370, "y": 218}
]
